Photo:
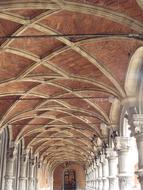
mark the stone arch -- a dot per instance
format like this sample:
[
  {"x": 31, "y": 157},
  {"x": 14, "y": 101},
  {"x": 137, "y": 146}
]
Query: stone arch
[{"x": 133, "y": 73}]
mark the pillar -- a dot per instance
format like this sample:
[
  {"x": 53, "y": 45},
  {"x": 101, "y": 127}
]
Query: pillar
[
  {"x": 93, "y": 176},
  {"x": 96, "y": 174},
  {"x": 125, "y": 174},
  {"x": 9, "y": 174},
  {"x": 31, "y": 175},
  {"x": 99, "y": 167},
  {"x": 36, "y": 175},
  {"x": 105, "y": 172},
  {"x": 113, "y": 170},
  {"x": 138, "y": 132},
  {"x": 23, "y": 175}
]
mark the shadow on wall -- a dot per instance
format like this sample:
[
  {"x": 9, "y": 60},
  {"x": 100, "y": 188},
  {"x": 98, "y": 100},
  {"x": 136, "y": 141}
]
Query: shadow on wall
[{"x": 58, "y": 176}]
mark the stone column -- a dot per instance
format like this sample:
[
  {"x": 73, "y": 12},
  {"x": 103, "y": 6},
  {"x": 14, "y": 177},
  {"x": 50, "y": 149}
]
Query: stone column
[
  {"x": 100, "y": 182},
  {"x": 9, "y": 174},
  {"x": 92, "y": 176},
  {"x": 88, "y": 178},
  {"x": 94, "y": 171},
  {"x": 23, "y": 176},
  {"x": 36, "y": 175},
  {"x": 125, "y": 174},
  {"x": 31, "y": 175},
  {"x": 96, "y": 174},
  {"x": 138, "y": 131},
  {"x": 105, "y": 172},
  {"x": 113, "y": 170}
]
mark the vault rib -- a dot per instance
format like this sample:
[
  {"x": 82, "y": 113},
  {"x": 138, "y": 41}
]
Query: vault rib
[
  {"x": 41, "y": 129},
  {"x": 84, "y": 54},
  {"x": 96, "y": 130},
  {"x": 80, "y": 8},
  {"x": 140, "y": 3},
  {"x": 87, "y": 56}
]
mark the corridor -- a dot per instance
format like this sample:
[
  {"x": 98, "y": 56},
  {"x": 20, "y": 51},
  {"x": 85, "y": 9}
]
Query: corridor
[{"x": 71, "y": 95}]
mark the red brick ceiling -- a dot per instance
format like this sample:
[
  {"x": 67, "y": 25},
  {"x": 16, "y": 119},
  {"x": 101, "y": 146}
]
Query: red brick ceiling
[{"x": 44, "y": 81}]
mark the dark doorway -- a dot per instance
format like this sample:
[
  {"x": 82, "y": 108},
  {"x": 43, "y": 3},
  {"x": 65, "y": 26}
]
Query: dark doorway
[{"x": 69, "y": 179}]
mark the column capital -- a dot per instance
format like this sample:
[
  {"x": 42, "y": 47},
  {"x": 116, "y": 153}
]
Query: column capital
[
  {"x": 11, "y": 153},
  {"x": 111, "y": 153},
  {"x": 97, "y": 161},
  {"x": 102, "y": 158},
  {"x": 138, "y": 123},
  {"x": 123, "y": 143},
  {"x": 24, "y": 157}
]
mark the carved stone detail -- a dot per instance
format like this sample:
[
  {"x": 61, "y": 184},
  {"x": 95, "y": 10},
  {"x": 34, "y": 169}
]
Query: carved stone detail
[
  {"x": 125, "y": 182},
  {"x": 102, "y": 158},
  {"x": 122, "y": 143},
  {"x": 111, "y": 153},
  {"x": 8, "y": 183},
  {"x": 138, "y": 123}
]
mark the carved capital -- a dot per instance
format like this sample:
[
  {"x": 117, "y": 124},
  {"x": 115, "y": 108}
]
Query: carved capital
[
  {"x": 11, "y": 153},
  {"x": 97, "y": 162},
  {"x": 24, "y": 157},
  {"x": 94, "y": 164},
  {"x": 138, "y": 123},
  {"x": 122, "y": 143},
  {"x": 125, "y": 181},
  {"x": 140, "y": 175},
  {"x": 8, "y": 183},
  {"x": 111, "y": 153},
  {"x": 102, "y": 158}
]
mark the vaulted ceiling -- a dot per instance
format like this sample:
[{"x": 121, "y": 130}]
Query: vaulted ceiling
[{"x": 56, "y": 92}]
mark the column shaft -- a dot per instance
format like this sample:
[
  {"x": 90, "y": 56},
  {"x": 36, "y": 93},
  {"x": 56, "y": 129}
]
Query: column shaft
[
  {"x": 105, "y": 173},
  {"x": 125, "y": 174},
  {"x": 96, "y": 173},
  {"x": 31, "y": 177},
  {"x": 23, "y": 174},
  {"x": 100, "y": 182},
  {"x": 9, "y": 175},
  {"x": 138, "y": 131}
]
